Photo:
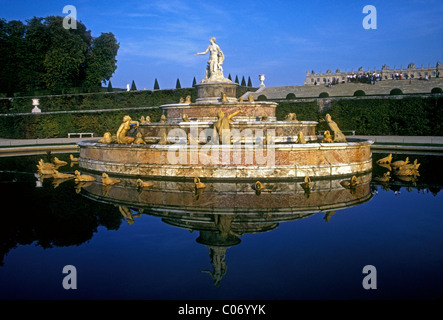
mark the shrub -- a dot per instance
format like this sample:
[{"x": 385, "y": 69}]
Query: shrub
[
  {"x": 323, "y": 95},
  {"x": 436, "y": 90},
  {"x": 396, "y": 91},
  {"x": 359, "y": 93},
  {"x": 262, "y": 97},
  {"x": 290, "y": 96}
]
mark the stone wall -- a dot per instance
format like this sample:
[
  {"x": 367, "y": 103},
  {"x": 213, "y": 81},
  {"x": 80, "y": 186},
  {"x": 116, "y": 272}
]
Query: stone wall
[{"x": 347, "y": 89}]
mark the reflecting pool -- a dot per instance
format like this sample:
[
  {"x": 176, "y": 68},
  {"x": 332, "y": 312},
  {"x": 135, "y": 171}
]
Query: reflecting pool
[{"x": 225, "y": 241}]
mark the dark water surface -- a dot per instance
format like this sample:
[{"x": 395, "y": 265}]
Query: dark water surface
[{"x": 227, "y": 242}]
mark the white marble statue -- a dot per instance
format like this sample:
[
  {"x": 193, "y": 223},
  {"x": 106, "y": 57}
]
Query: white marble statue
[{"x": 214, "y": 70}]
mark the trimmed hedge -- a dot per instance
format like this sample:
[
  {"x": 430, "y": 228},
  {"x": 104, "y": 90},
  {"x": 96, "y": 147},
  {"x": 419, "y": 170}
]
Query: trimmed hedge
[
  {"x": 323, "y": 95},
  {"x": 42, "y": 126},
  {"x": 262, "y": 97},
  {"x": 437, "y": 90},
  {"x": 395, "y": 91},
  {"x": 305, "y": 111},
  {"x": 132, "y": 99},
  {"x": 410, "y": 116},
  {"x": 359, "y": 93}
]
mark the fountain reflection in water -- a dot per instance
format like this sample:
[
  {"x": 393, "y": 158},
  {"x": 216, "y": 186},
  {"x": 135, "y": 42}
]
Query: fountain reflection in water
[{"x": 222, "y": 212}]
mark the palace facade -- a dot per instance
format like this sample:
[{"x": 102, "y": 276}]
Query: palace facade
[{"x": 411, "y": 72}]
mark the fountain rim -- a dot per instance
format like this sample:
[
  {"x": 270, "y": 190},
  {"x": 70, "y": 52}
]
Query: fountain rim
[
  {"x": 352, "y": 142},
  {"x": 218, "y": 104}
]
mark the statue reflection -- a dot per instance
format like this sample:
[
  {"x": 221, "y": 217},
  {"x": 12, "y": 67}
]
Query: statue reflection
[
  {"x": 128, "y": 215},
  {"x": 401, "y": 173}
]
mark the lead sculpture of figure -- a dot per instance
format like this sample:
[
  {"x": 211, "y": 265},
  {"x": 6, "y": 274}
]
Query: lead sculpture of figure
[{"x": 214, "y": 69}]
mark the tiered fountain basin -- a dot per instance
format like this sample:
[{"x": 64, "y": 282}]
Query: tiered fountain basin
[
  {"x": 207, "y": 111},
  {"x": 174, "y": 198},
  {"x": 240, "y": 161},
  {"x": 259, "y": 149},
  {"x": 251, "y": 131}
]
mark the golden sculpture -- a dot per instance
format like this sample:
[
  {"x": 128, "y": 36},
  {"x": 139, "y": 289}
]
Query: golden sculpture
[
  {"x": 163, "y": 139},
  {"x": 108, "y": 181},
  {"x": 44, "y": 172},
  {"x": 224, "y": 98},
  {"x": 385, "y": 160},
  {"x": 182, "y": 100},
  {"x": 301, "y": 138},
  {"x": 223, "y": 128},
  {"x": 185, "y": 118},
  {"x": 338, "y": 135},
  {"x": 240, "y": 99},
  {"x": 59, "y": 162},
  {"x": 142, "y": 184},
  {"x": 73, "y": 159},
  {"x": 188, "y": 99},
  {"x": 264, "y": 117},
  {"x": 407, "y": 172},
  {"x": 60, "y": 175},
  {"x": 142, "y": 119},
  {"x": 349, "y": 184},
  {"x": 258, "y": 186},
  {"x": 385, "y": 178},
  {"x": 139, "y": 139},
  {"x": 163, "y": 119},
  {"x": 198, "y": 184},
  {"x": 82, "y": 177},
  {"x": 251, "y": 98},
  {"x": 45, "y": 165},
  {"x": 413, "y": 166},
  {"x": 148, "y": 119},
  {"x": 291, "y": 117},
  {"x": 306, "y": 185},
  {"x": 327, "y": 137},
  {"x": 107, "y": 138},
  {"x": 123, "y": 130},
  {"x": 45, "y": 168},
  {"x": 399, "y": 163}
]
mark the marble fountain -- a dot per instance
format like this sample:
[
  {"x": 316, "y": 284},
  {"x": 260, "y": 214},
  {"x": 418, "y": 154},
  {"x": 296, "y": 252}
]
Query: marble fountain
[{"x": 219, "y": 136}]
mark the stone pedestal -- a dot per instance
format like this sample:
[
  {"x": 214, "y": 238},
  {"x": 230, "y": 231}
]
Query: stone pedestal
[{"x": 212, "y": 91}]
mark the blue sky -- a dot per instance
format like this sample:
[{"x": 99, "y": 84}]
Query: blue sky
[{"x": 281, "y": 39}]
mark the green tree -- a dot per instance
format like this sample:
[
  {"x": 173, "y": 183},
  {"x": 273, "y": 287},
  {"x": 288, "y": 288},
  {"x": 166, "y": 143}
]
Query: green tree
[
  {"x": 12, "y": 51},
  {"x": 156, "y": 86},
  {"x": 236, "y": 79},
  {"x": 194, "y": 82},
  {"x": 100, "y": 62},
  {"x": 249, "y": 82},
  {"x": 177, "y": 84},
  {"x": 41, "y": 54},
  {"x": 109, "y": 86},
  {"x": 133, "y": 86}
]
